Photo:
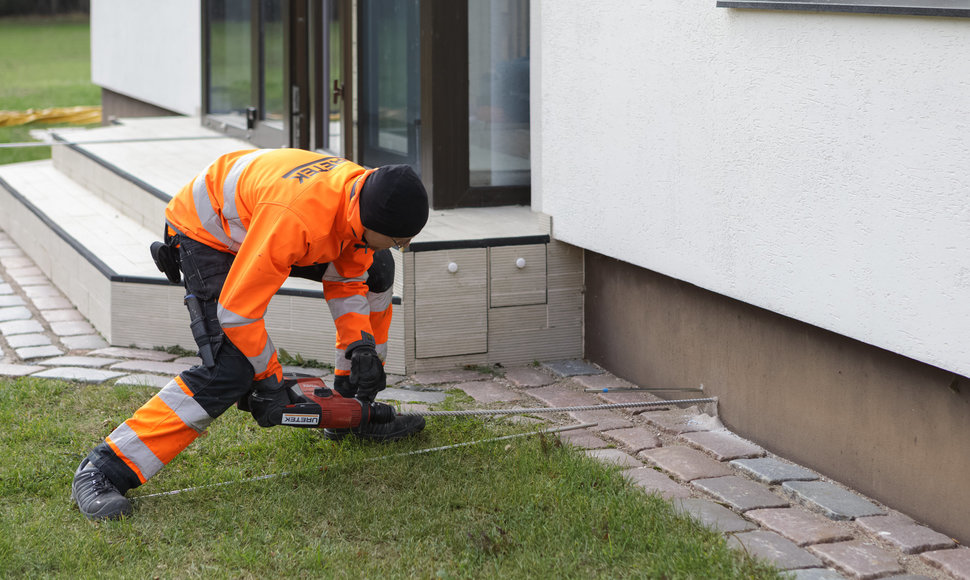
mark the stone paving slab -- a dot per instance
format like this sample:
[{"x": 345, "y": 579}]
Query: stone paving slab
[
  {"x": 18, "y": 370},
  {"x": 144, "y": 380},
  {"x": 11, "y": 300},
  {"x": 33, "y": 292},
  {"x": 583, "y": 438},
  {"x": 527, "y": 377},
  {"x": 904, "y": 534},
  {"x": 635, "y": 438},
  {"x": 628, "y": 397},
  {"x": 72, "y": 328},
  {"x": 859, "y": 559},
  {"x": 614, "y": 457},
  {"x": 61, "y": 315},
  {"x": 562, "y": 396},
  {"x": 772, "y": 471},
  {"x": 684, "y": 463},
  {"x": 451, "y": 376},
  {"x": 815, "y": 574},
  {"x": 14, "y": 313},
  {"x": 120, "y": 352},
  {"x": 606, "y": 420},
  {"x": 51, "y": 303},
  {"x": 84, "y": 375},
  {"x": 740, "y": 493},
  {"x": 19, "y": 272},
  {"x": 79, "y": 361},
  {"x": 150, "y": 366},
  {"x": 315, "y": 372},
  {"x": 800, "y": 526},
  {"x": 723, "y": 445},
  {"x": 83, "y": 342},
  {"x": 653, "y": 481},
  {"x": 954, "y": 562},
  {"x": 20, "y": 327},
  {"x": 408, "y": 396},
  {"x": 22, "y": 340},
  {"x": 775, "y": 549},
  {"x": 677, "y": 421},
  {"x": 488, "y": 392},
  {"x": 571, "y": 368},
  {"x": 833, "y": 501},
  {"x": 192, "y": 361},
  {"x": 25, "y": 281},
  {"x": 32, "y": 352},
  {"x": 6, "y": 289},
  {"x": 602, "y": 381},
  {"x": 712, "y": 515}
]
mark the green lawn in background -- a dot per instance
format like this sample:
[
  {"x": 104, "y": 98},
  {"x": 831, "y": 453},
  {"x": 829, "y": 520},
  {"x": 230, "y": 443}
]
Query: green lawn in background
[
  {"x": 520, "y": 508},
  {"x": 44, "y": 62}
]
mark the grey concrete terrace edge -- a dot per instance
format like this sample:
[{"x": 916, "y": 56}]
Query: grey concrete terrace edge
[
  {"x": 415, "y": 247},
  {"x": 904, "y": 7},
  {"x": 77, "y": 147},
  {"x": 107, "y": 271}
]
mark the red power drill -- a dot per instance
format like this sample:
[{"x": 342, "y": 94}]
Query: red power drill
[{"x": 316, "y": 406}]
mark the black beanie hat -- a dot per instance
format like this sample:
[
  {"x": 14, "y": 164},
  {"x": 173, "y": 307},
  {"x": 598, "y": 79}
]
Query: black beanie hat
[{"x": 394, "y": 202}]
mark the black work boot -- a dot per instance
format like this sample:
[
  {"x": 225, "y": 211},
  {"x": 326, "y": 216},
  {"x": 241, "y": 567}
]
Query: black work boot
[
  {"x": 96, "y": 496},
  {"x": 402, "y": 426}
]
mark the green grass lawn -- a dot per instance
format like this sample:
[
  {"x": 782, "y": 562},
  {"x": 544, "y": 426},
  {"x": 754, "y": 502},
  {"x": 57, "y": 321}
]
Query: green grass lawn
[
  {"x": 44, "y": 62},
  {"x": 520, "y": 508}
]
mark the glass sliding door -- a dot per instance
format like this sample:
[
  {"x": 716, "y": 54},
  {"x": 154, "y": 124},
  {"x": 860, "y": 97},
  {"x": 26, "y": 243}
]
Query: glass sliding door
[
  {"x": 333, "y": 90},
  {"x": 498, "y": 93},
  {"x": 389, "y": 68},
  {"x": 245, "y": 69}
]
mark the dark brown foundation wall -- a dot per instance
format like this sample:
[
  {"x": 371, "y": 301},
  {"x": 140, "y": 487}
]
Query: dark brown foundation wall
[
  {"x": 885, "y": 425},
  {"x": 115, "y": 106}
]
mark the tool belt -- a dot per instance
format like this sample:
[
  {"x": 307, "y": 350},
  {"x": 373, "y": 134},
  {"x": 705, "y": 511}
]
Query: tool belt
[{"x": 166, "y": 256}]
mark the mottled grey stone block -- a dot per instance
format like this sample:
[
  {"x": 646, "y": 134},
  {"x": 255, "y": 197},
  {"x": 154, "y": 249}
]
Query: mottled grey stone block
[
  {"x": 32, "y": 352},
  {"x": 652, "y": 481},
  {"x": 144, "y": 380},
  {"x": 72, "y": 328},
  {"x": 78, "y": 374},
  {"x": 572, "y": 368},
  {"x": 833, "y": 501},
  {"x": 859, "y": 559},
  {"x": 904, "y": 534},
  {"x": 11, "y": 300},
  {"x": 22, "y": 340},
  {"x": 79, "y": 361},
  {"x": 14, "y": 313},
  {"x": 407, "y": 396},
  {"x": 20, "y": 327},
  {"x": 16, "y": 370},
  {"x": 740, "y": 493},
  {"x": 712, "y": 515},
  {"x": 137, "y": 353},
  {"x": 527, "y": 377},
  {"x": 614, "y": 457},
  {"x": 583, "y": 438},
  {"x": 775, "y": 549},
  {"x": 83, "y": 342},
  {"x": 772, "y": 471}
]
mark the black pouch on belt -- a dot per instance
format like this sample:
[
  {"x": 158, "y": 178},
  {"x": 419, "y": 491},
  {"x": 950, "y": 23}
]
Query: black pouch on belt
[{"x": 166, "y": 256}]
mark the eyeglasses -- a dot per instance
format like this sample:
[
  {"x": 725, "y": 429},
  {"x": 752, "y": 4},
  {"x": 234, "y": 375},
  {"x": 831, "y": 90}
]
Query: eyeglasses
[{"x": 398, "y": 245}]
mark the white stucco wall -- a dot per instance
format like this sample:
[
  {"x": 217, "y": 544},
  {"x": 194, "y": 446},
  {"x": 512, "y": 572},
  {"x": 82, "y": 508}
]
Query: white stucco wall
[
  {"x": 150, "y": 51},
  {"x": 817, "y": 165}
]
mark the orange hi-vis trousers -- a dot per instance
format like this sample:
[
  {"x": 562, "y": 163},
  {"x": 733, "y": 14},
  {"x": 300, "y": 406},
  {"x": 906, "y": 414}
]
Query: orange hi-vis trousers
[{"x": 183, "y": 409}]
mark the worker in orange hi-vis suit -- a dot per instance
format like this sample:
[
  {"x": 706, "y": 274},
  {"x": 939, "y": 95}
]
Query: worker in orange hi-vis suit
[{"x": 234, "y": 235}]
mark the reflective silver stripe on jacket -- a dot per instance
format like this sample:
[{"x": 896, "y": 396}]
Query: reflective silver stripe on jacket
[
  {"x": 229, "y": 319},
  {"x": 188, "y": 409},
  {"x": 229, "y": 210},
  {"x": 203, "y": 209},
  {"x": 127, "y": 441},
  {"x": 340, "y": 361}
]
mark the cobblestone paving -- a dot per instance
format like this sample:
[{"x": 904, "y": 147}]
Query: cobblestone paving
[{"x": 784, "y": 513}]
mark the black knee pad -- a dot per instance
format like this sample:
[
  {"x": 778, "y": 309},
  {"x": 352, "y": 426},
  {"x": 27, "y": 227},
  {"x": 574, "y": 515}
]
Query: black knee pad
[{"x": 380, "y": 276}]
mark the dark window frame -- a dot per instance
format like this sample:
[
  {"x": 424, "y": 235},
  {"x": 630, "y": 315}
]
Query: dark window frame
[{"x": 940, "y": 8}]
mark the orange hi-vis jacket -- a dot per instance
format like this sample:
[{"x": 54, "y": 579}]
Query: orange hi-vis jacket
[{"x": 273, "y": 209}]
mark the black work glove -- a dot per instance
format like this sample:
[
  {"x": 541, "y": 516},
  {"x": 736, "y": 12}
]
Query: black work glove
[
  {"x": 366, "y": 372},
  {"x": 267, "y": 400}
]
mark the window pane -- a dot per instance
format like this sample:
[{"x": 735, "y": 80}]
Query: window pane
[
  {"x": 333, "y": 73},
  {"x": 498, "y": 92},
  {"x": 272, "y": 63},
  {"x": 390, "y": 81},
  {"x": 230, "y": 70}
]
